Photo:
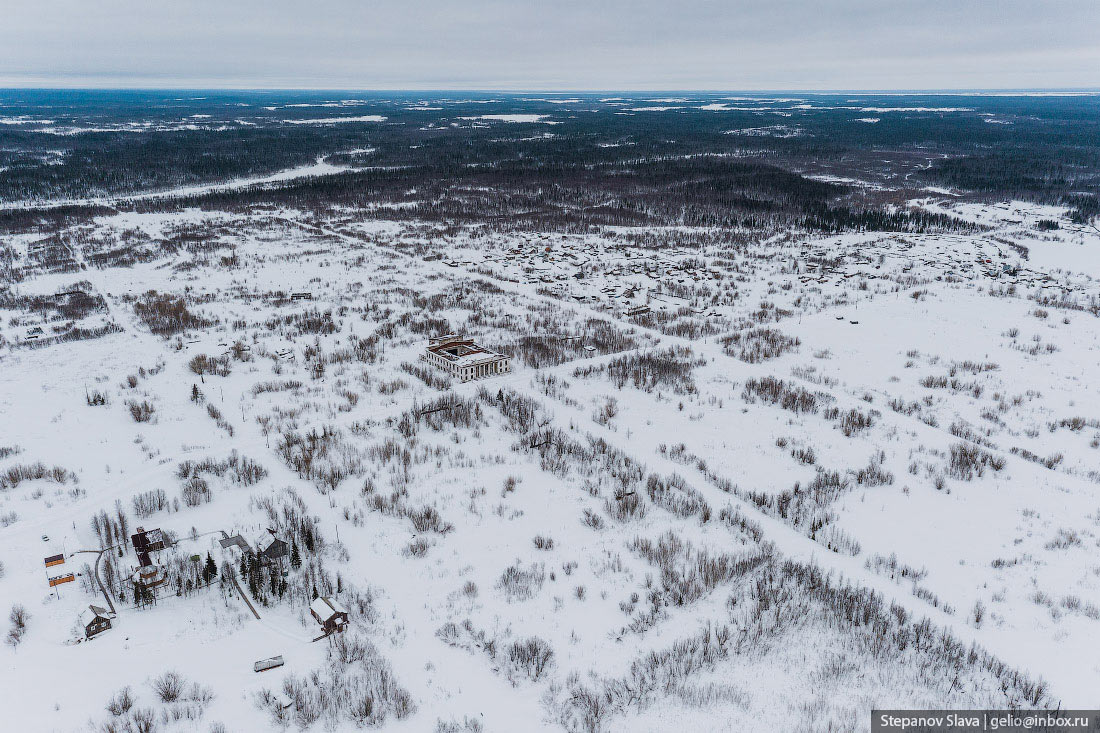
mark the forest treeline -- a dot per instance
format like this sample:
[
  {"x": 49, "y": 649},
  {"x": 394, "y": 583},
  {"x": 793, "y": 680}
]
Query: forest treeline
[{"x": 755, "y": 164}]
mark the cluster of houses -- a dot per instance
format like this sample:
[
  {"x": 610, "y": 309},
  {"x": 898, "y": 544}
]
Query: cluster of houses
[
  {"x": 148, "y": 576},
  {"x": 265, "y": 546},
  {"x": 328, "y": 612}
]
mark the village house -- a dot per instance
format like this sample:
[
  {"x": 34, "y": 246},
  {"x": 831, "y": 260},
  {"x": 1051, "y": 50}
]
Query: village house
[
  {"x": 152, "y": 540},
  {"x": 149, "y": 577},
  {"x": 329, "y": 613},
  {"x": 463, "y": 359},
  {"x": 270, "y": 548},
  {"x": 95, "y": 620}
]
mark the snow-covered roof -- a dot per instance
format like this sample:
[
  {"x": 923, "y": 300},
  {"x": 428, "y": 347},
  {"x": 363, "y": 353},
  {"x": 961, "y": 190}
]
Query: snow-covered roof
[
  {"x": 484, "y": 356},
  {"x": 92, "y": 613},
  {"x": 326, "y": 608},
  {"x": 462, "y": 351},
  {"x": 264, "y": 540}
]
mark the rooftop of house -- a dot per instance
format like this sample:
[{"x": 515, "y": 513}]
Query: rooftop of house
[
  {"x": 149, "y": 536},
  {"x": 93, "y": 613},
  {"x": 265, "y": 540},
  {"x": 461, "y": 351},
  {"x": 326, "y": 607}
]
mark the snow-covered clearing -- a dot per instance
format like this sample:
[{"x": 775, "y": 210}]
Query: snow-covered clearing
[{"x": 718, "y": 458}]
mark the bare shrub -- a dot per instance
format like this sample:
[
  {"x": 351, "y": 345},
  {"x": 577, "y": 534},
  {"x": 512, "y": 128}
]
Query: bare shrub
[
  {"x": 427, "y": 519},
  {"x": 625, "y": 507},
  {"x": 148, "y": 502},
  {"x": 519, "y": 584},
  {"x": 760, "y": 344},
  {"x": 429, "y": 376},
  {"x": 169, "y": 686},
  {"x": 196, "y": 491},
  {"x": 530, "y": 657},
  {"x": 357, "y": 684},
  {"x": 1050, "y": 462},
  {"x": 216, "y": 365},
  {"x": 120, "y": 703},
  {"x": 670, "y": 368},
  {"x": 18, "y": 618},
  {"x": 417, "y": 548},
  {"x": 874, "y": 474},
  {"x": 788, "y": 396},
  {"x": 15, "y": 475},
  {"x": 968, "y": 461},
  {"x": 144, "y": 720},
  {"x": 166, "y": 314},
  {"x": 674, "y": 495},
  {"x": 854, "y": 421},
  {"x": 593, "y": 520},
  {"x": 140, "y": 411},
  {"x": 1065, "y": 539},
  {"x": 468, "y": 725}
]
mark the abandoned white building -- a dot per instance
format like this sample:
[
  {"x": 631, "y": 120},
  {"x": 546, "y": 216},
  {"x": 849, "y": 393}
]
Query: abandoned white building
[{"x": 463, "y": 359}]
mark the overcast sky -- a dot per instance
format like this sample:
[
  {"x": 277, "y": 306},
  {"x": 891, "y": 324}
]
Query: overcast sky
[{"x": 552, "y": 44}]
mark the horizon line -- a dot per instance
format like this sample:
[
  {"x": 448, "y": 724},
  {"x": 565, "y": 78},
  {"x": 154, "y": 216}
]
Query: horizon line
[{"x": 4, "y": 87}]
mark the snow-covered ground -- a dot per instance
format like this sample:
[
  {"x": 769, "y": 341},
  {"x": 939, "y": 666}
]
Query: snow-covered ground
[{"x": 723, "y": 471}]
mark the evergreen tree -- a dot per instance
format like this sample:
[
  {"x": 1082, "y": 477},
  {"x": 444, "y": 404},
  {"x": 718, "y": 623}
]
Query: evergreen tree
[
  {"x": 210, "y": 570},
  {"x": 295, "y": 556}
]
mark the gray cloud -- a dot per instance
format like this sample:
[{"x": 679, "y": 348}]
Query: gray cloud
[{"x": 569, "y": 44}]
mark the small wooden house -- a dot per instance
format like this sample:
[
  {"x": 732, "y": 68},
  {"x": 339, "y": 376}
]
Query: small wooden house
[
  {"x": 330, "y": 614},
  {"x": 152, "y": 540},
  {"x": 149, "y": 576},
  {"x": 95, "y": 620},
  {"x": 269, "y": 547}
]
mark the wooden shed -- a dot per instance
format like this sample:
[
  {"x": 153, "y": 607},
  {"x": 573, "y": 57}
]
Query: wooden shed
[{"x": 270, "y": 663}]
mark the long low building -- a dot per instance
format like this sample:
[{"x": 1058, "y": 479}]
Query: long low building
[{"x": 463, "y": 359}]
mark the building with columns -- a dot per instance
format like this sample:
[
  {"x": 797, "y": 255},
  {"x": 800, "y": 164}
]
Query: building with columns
[{"x": 463, "y": 359}]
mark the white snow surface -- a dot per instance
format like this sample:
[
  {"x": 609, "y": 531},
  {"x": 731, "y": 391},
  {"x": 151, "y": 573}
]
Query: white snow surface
[{"x": 984, "y": 340}]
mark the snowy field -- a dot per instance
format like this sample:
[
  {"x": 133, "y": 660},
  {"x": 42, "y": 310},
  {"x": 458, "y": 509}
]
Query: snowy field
[
  {"x": 736, "y": 478},
  {"x": 861, "y": 467}
]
